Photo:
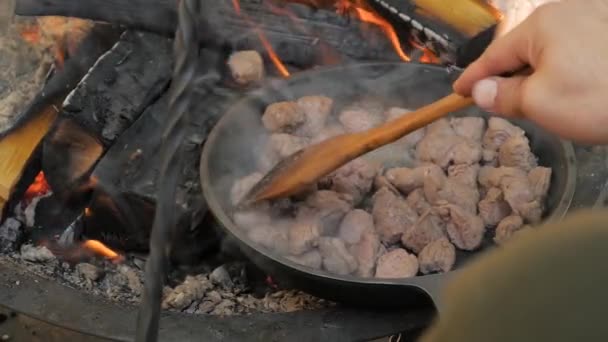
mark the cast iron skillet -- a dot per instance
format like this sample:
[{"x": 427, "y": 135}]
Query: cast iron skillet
[{"x": 231, "y": 149}]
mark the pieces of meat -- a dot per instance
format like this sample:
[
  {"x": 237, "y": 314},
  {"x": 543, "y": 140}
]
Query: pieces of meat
[
  {"x": 354, "y": 179},
  {"x": 427, "y": 229},
  {"x": 411, "y": 139},
  {"x": 273, "y": 237},
  {"x": 439, "y": 190},
  {"x": 493, "y": 208},
  {"x": 465, "y": 229},
  {"x": 310, "y": 259},
  {"x": 465, "y": 174},
  {"x": 469, "y": 127},
  {"x": 317, "y": 109},
  {"x": 330, "y": 208},
  {"x": 241, "y": 187},
  {"x": 246, "y": 66},
  {"x": 493, "y": 176},
  {"x": 507, "y": 228},
  {"x": 407, "y": 179},
  {"x": 515, "y": 152},
  {"x": 437, "y": 256},
  {"x": 540, "y": 180},
  {"x": 336, "y": 258},
  {"x": 283, "y": 117},
  {"x": 354, "y": 224},
  {"x": 328, "y": 132},
  {"x": 358, "y": 120},
  {"x": 304, "y": 234},
  {"x": 366, "y": 252},
  {"x": 499, "y": 130},
  {"x": 392, "y": 215},
  {"x": 397, "y": 263},
  {"x": 284, "y": 145},
  {"x": 442, "y": 146},
  {"x": 418, "y": 202},
  {"x": 252, "y": 217}
]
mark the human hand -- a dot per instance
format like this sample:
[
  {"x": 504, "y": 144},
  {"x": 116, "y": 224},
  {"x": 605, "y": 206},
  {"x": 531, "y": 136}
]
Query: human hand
[{"x": 567, "y": 90}]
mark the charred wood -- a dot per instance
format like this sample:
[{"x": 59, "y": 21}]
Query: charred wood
[
  {"x": 301, "y": 35},
  {"x": 108, "y": 99},
  {"x": 127, "y": 176}
]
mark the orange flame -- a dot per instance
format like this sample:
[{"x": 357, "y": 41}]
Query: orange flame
[
  {"x": 271, "y": 53},
  {"x": 38, "y": 188},
  {"x": 98, "y": 248},
  {"x": 31, "y": 34},
  {"x": 390, "y": 32}
]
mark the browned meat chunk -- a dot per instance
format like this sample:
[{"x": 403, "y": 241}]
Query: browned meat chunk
[
  {"x": 283, "y": 117},
  {"x": 445, "y": 148},
  {"x": 392, "y": 215},
  {"x": 411, "y": 139},
  {"x": 469, "y": 127},
  {"x": 272, "y": 237},
  {"x": 246, "y": 66},
  {"x": 283, "y": 145},
  {"x": 516, "y": 152},
  {"x": 366, "y": 252},
  {"x": 493, "y": 208},
  {"x": 408, "y": 180},
  {"x": 464, "y": 228},
  {"x": 328, "y": 132},
  {"x": 359, "y": 119},
  {"x": 437, "y": 256},
  {"x": 354, "y": 179},
  {"x": 330, "y": 208},
  {"x": 427, "y": 229},
  {"x": 418, "y": 202},
  {"x": 540, "y": 180},
  {"x": 310, "y": 259},
  {"x": 499, "y": 130},
  {"x": 336, "y": 258},
  {"x": 354, "y": 224},
  {"x": 397, "y": 263},
  {"x": 441, "y": 190},
  {"x": 241, "y": 187},
  {"x": 304, "y": 234},
  {"x": 316, "y": 109},
  {"x": 465, "y": 174},
  {"x": 507, "y": 228}
]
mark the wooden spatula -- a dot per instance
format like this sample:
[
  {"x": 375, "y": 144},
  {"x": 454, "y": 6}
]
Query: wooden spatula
[{"x": 304, "y": 168}]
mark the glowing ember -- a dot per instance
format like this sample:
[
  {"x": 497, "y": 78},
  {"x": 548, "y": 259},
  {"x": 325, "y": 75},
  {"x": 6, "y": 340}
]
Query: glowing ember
[
  {"x": 271, "y": 53},
  {"x": 270, "y": 282},
  {"x": 100, "y": 249},
  {"x": 31, "y": 34},
  {"x": 38, "y": 188},
  {"x": 372, "y": 18}
]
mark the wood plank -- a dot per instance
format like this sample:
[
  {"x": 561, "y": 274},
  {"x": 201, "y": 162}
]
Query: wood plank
[{"x": 17, "y": 148}]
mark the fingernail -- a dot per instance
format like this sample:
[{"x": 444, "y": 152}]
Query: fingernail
[{"x": 484, "y": 93}]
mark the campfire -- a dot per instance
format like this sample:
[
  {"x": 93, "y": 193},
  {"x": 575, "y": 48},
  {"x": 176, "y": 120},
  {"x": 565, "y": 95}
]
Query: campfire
[{"x": 81, "y": 130}]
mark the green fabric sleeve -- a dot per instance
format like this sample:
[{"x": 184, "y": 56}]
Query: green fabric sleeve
[{"x": 550, "y": 284}]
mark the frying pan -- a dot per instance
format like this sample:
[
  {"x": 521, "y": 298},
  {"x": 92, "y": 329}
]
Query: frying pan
[{"x": 234, "y": 144}]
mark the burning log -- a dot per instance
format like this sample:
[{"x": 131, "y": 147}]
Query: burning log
[
  {"x": 124, "y": 198},
  {"x": 110, "y": 97},
  {"x": 297, "y": 32}
]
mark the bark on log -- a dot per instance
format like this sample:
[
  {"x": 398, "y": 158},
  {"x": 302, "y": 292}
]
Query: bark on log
[
  {"x": 124, "y": 198},
  {"x": 301, "y": 35},
  {"x": 110, "y": 97}
]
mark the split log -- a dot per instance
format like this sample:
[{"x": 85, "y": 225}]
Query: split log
[
  {"x": 19, "y": 147},
  {"x": 301, "y": 35},
  {"x": 124, "y": 198},
  {"x": 108, "y": 99}
]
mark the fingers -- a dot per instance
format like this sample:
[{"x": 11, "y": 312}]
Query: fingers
[
  {"x": 505, "y": 54},
  {"x": 500, "y": 95}
]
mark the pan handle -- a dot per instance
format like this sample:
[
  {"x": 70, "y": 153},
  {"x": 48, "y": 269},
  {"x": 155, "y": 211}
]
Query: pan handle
[{"x": 434, "y": 285}]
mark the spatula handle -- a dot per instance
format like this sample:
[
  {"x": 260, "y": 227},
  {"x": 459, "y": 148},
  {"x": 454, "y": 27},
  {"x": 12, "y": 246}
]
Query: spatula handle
[{"x": 417, "y": 119}]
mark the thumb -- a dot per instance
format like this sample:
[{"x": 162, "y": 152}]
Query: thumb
[{"x": 500, "y": 95}]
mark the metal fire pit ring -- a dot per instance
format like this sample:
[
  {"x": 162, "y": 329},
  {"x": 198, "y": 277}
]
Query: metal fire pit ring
[{"x": 233, "y": 145}]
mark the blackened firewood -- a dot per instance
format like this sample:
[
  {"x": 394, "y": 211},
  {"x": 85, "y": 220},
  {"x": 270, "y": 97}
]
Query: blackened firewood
[
  {"x": 127, "y": 176},
  {"x": 108, "y": 99},
  {"x": 301, "y": 35}
]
